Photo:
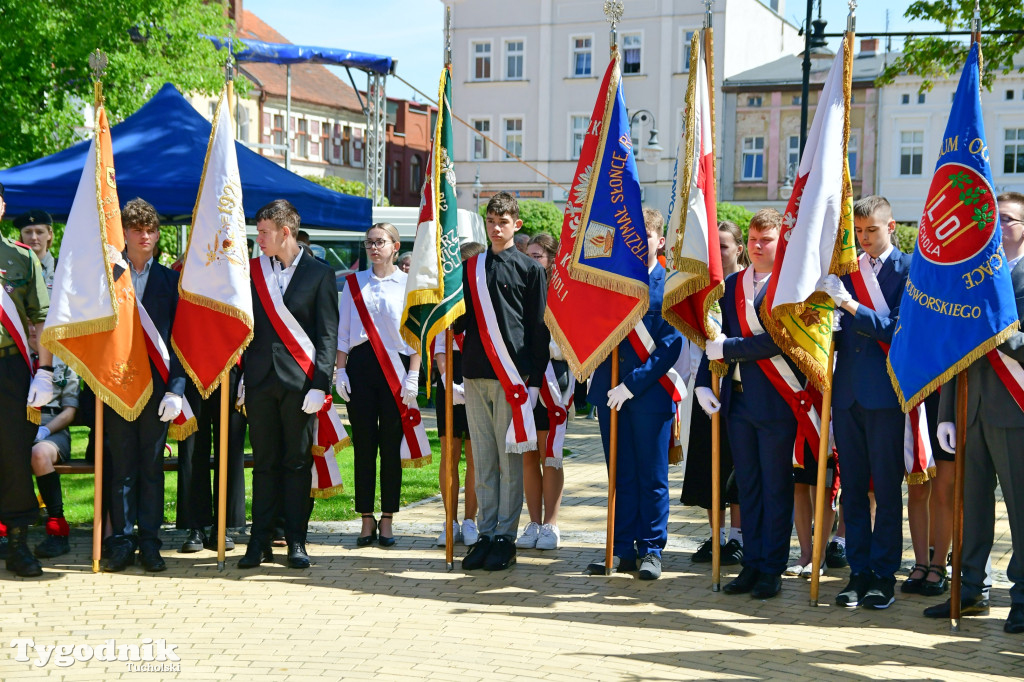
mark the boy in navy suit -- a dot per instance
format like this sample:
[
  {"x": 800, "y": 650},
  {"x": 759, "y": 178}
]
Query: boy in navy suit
[
  {"x": 762, "y": 425},
  {"x": 866, "y": 414},
  {"x": 645, "y": 427}
]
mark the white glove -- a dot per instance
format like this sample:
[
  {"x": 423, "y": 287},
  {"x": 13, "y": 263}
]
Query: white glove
[
  {"x": 618, "y": 396},
  {"x": 313, "y": 401},
  {"x": 458, "y": 394},
  {"x": 170, "y": 407},
  {"x": 411, "y": 388},
  {"x": 837, "y": 319},
  {"x": 716, "y": 348},
  {"x": 42, "y": 434},
  {"x": 240, "y": 394},
  {"x": 342, "y": 384},
  {"x": 40, "y": 391},
  {"x": 708, "y": 402},
  {"x": 534, "y": 395},
  {"x": 833, "y": 286},
  {"x": 947, "y": 436}
]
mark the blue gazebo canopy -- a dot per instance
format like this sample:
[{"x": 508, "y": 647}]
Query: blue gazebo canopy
[{"x": 246, "y": 50}]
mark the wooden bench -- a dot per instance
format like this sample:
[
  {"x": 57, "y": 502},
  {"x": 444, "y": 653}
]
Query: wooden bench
[{"x": 81, "y": 466}]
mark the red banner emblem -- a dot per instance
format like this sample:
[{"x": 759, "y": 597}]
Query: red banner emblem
[{"x": 959, "y": 216}]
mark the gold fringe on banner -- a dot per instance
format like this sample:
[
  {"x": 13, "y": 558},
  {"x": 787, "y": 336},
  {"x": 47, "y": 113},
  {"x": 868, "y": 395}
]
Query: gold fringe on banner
[
  {"x": 678, "y": 262},
  {"x": 918, "y": 477},
  {"x": 180, "y": 432},
  {"x": 815, "y": 369},
  {"x": 844, "y": 254},
  {"x": 327, "y": 493},
  {"x": 416, "y": 463},
  {"x": 582, "y": 369},
  {"x": 34, "y": 415}
]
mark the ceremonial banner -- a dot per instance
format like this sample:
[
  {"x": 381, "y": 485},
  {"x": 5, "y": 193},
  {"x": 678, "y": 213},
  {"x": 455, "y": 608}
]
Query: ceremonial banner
[
  {"x": 433, "y": 293},
  {"x": 93, "y": 323},
  {"x": 213, "y": 322},
  {"x": 817, "y": 231},
  {"x": 599, "y": 282},
  {"x": 958, "y": 303},
  {"x": 695, "y": 282}
]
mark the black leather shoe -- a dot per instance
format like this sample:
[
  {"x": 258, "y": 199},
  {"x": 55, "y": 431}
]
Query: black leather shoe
[
  {"x": 367, "y": 540},
  {"x": 477, "y": 554},
  {"x": 385, "y": 541},
  {"x": 255, "y": 555},
  {"x": 969, "y": 606},
  {"x": 502, "y": 554},
  {"x": 742, "y": 583},
  {"x": 53, "y": 546},
  {"x": 297, "y": 557},
  {"x": 650, "y": 567},
  {"x": 835, "y": 555},
  {"x": 1014, "y": 624},
  {"x": 151, "y": 560},
  {"x": 211, "y": 542},
  {"x": 3, "y": 547},
  {"x": 935, "y": 588},
  {"x": 120, "y": 557},
  {"x": 194, "y": 542},
  {"x": 19, "y": 558},
  {"x": 855, "y": 590},
  {"x": 914, "y": 585},
  {"x": 767, "y": 586},
  {"x": 619, "y": 565}
]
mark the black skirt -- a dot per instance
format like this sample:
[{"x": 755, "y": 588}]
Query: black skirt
[
  {"x": 697, "y": 478},
  {"x": 460, "y": 426}
]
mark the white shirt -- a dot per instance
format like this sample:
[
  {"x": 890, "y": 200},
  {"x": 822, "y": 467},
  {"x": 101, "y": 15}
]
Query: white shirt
[
  {"x": 877, "y": 263},
  {"x": 284, "y": 275},
  {"x": 385, "y": 299}
]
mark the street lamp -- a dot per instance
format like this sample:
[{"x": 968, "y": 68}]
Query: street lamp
[
  {"x": 643, "y": 117},
  {"x": 477, "y": 188}
]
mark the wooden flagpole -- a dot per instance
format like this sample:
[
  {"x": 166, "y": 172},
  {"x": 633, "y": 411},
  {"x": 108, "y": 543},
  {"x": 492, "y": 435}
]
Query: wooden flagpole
[
  {"x": 451, "y": 457},
  {"x": 824, "y": 451},
  {"x": 613, "y": 451}
]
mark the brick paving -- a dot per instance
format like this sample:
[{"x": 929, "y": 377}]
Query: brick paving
[{"x": 397, "y": 614}]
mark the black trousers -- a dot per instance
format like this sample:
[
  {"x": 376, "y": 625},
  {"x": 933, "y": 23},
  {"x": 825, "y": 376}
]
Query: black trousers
[
  {"x": 18, "y": 505},
  {"x": 195, "y": 507},
  {"x": 134, "y": 456},
  {"x": 282, "y": 437},
  {"x": 376, "y": 427}
]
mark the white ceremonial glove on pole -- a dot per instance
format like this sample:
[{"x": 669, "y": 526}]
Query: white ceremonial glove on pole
[
  {"x": 40, "y": 391},
  {"x": 342, "y": 384},
  {"x": 170, "y": 407},
  {"x": 458, "y": 394},
  {"x": 411, "y": 388},
  {"x": 716, "y": 348},
  {"x": 837, "y": 320},
  {"x": 240, "y": 395},
  {"x": 947, "y": 436},
  {"x": 833, "y": 286},
  {"x": 313, "y": 401},
  {"x": 618, "y": 396},
  {"x": 708, "y": 402}
]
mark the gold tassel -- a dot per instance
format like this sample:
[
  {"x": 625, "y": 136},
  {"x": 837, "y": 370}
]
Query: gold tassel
[{"x": 416, "y": 463}]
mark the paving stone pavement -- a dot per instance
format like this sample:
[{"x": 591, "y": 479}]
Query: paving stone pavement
[{"x": 397, "y": 614}]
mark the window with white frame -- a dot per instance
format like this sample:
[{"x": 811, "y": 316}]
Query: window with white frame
[
  {"x": 242, "y": 116},
  {"x": 687, "y": 50},
  {"x": 513, "y": 129},
  {"x": 578, "y": 125},
  {"x": 632, "y": 52},
  {"x": 852, "y": 146},
  {"x": 302, "y": 138},
  {"x": 314, "y": 140},
  {"x": 357, "y": 147},
  {"x": 792, "y": 154},
  {"x": 911, "y": 152},
  {"x": 753, "y": 158},
  {"x": 278, "y": 134},
  {"x": 1013, "y": 150},
  {"x": 582, "y": 54},
  {"x": 514, "y": 60},
  {"x": 481, "y": 52},
  {"x": 415, "y": 174},
  {"x": 481, "y": 150}
]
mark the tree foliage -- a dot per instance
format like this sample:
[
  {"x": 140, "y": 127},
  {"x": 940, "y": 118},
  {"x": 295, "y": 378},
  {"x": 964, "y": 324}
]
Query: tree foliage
[
  {"x": 537, "y": 216},
  {"x": 44, "y": 59},
  {"x": 338, "y": 184},
  {"x": 735, "y": 213},
  {"x": 936, "y": 58}
]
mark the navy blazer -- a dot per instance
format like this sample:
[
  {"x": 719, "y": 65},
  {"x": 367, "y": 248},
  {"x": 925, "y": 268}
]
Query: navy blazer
[
  {"x": 746, "y": 352},
  {"x": 641, "y": 378},
  {"x": 160, "y": 299},
  {"x": 860, "y": 373}
]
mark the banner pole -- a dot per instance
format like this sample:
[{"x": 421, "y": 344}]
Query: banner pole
[
  {"x": 97, "y": 500},
  {"x": 958, "y": 501},
  {"x": 824, "y": 451},
  {"x": 716, "y": 489},
  {"x": 222, "y": 466},
  {"x": 613, "y": 451},
  {"x": 451, "y": 458}
]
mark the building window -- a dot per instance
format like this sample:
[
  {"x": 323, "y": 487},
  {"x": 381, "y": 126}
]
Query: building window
[
  {"x": 1009, "y": 95},
  {"x": 911, "y": 152},
  {"x": 481, "y": 61},
  {"x": 357, "y": 147},
  {"x": 265, "y": 133},
  {"x": 687, "y": 50},
  {"x": 513, "y": 137},
  {"x": 632, "y": 52},
  {"x": 415, "y": 174},
  {"x": 339, "y": 153},
  {"x": 1013, "y": 151},
  {"x": 753, "y": 158},
  {"x": 796, "y": 100},
  {"x": 314, "y": 140},
  {"x": 851, "y": 155},
  {"x": 481, "y": 147},
  {"x": 514, "y": 60},
  {"x": 920, "y": 98},
  {"x": 793, "y": 155},
  {"x": 302, "y": 138},
  {"x": 582, "y": 54},
  {"x": 242, "y": 116},
  {"x": 278, "y": 133},
  {"x": 905, "y": 99},
  {"x": 578, "y": 132},
  {"x": 754, "y": 100},
  {"x": 396, "y": 177}
]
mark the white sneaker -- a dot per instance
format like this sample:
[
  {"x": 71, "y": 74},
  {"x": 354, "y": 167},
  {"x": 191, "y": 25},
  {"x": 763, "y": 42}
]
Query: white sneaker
[
  {"x": 795, "y": 569},
  {"x": 442, "y": 539},
  {"x": 806, "y": 571},
  {"x": 528, "y": 540},
  {"x": 548, "y": 537},
  {"x": 470, "y": 534}
]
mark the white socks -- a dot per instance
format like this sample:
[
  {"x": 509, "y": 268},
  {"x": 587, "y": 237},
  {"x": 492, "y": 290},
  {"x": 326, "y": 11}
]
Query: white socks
[{"x": 736, "y": 534}]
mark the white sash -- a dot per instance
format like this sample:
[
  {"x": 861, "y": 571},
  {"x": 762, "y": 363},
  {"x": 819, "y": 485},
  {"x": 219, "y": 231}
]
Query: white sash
[
  {"x": 10, "y": 319},
  {"x": 672, "y": 381},
  {"x": 558, "y": 404},
  {"x": 184, "y": 425},
  {"x": 1010, "y": 373},
  {"x": 331, "y": 437}
]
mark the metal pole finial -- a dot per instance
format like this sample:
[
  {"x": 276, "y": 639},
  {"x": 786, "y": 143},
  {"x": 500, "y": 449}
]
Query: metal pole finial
[
  {"x": 851, "y": 19},
  {"x": 613, "y": 10},
  {"x": 448, "y": 35},
  {"x": 98, "y": 64},
  {"x": 976, "y": 20},
  {"x": 707, "y": 12}
]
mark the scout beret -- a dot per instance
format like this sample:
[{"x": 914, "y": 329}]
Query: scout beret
[{"x": 33, "y": 218}]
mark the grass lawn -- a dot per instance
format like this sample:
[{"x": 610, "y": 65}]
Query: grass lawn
[{"x": 417, "y": 484}]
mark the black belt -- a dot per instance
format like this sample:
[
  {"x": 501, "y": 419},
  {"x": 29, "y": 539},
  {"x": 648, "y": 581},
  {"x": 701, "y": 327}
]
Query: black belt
[{"x": 51, "y": 410}]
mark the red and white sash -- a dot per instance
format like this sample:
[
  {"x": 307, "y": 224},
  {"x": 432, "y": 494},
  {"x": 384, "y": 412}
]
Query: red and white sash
[
  {"x": 558, "y": 404},
  {"x": 917, "y": 447},
  {"x": 1010, "y": 373},
  {"x": 672, "y": 381},
  {"x": 415, "y": 446},
  {"x": 10, "y": 319},
  {"x": 802, "y": 397},
  {"x": 301, "y": 349},
  {"x": 522, "y": 432},
  {"x": 331, "y": 437},
  {"x": 184, "y": 425},
  {"x": 437, "y": 347}
]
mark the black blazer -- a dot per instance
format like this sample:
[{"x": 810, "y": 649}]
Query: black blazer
[
  {"x": 161, "y": 301},
  {"x": 312, "y": 297}
]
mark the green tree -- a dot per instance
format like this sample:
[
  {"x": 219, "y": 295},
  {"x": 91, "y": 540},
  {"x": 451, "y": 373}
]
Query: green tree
[
  {"x": 44, "y": 51},
  {"x": 537, "y": 216},
  {"x": 735, "y": 213},
  {"x": 936, "y": 58},
  {"x": 333, "y": 182}
]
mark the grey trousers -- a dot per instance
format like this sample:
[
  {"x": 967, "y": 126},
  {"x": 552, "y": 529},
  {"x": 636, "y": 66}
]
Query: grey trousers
[{"x": 499, "y": 474}]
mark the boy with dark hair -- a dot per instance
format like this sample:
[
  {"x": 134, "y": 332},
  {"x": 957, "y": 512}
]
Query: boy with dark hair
[{"x": 504, "y": 355}]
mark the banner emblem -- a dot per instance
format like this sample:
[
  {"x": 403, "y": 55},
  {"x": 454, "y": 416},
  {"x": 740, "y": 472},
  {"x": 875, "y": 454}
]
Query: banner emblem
[
  {"x": 959, "y": 217},
  {"x": 600, "y": 239}
]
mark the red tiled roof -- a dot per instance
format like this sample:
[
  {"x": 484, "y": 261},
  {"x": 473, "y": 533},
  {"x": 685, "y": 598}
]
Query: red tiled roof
[{"x": 312, "y": 83}]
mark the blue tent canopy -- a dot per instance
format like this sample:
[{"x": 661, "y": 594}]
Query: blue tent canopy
[
  {"x": 158, "y": 155},
  {"x": 285, "y": 53}
]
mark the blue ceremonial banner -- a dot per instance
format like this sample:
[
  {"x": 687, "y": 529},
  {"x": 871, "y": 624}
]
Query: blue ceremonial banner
[{"x": 958, "y": 303}]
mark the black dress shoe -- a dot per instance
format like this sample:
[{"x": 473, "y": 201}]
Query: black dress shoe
[
  {"x": 650, "y": 567},
  {"x": 914, "y": 585},
  {"x": 619, "y": 565},
  {"x": 211, "y": 542},
  {"x": 367, "y": 540},
  {"x": 151, "y": 560},
  {"x": 385, "y": 541},
  {"x": 935, "y": 588},
  {"x": 502, "y": 554},
  {"x": 255, "y": 555},
  {"x": 767, "y": 586},
  {"x": 835, "y": 555},
  {"x": 1014, "y": 624},
  {"x": 742, "y": 583},
  {"x": 969, "y": 606},
  {"x": 194, "y": 542},
  {"x": 19, "y": 558},
  {"x": 52, "y": 546},
  {"x": 3, "y": 547},
  {"x": 120, "y": 557},
  {"x": 297, "y": 557},
  {"x": 477, "y": 554}
]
